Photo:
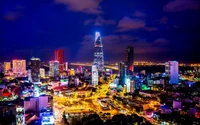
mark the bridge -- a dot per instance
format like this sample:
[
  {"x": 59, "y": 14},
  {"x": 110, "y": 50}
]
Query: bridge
[{"x": 90, "y": 64}]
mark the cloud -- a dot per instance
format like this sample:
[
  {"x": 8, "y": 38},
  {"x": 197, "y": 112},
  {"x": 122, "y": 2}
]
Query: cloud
[
  {"x": 181, "y": 5},
  {"x": 139, "y": 14},
  {"x": 99, "y": 21},
  {"x": 11, "y": 16},
  {"x": 127, "y": 24},
  {"x": 161, "y": 42},
  {"x": 114, "y": 46},
  {"x": 164, "y": 20},
  {"x": 85, "y": 6},
  {"x": 149, "y": 29}
]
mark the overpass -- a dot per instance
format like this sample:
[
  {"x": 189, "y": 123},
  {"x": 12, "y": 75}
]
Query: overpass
[{"x": 90, "y": 64}]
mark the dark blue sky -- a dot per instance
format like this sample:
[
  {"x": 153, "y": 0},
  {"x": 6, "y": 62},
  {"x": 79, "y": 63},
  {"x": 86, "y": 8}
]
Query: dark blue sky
[{"x": 160, "y": 30}]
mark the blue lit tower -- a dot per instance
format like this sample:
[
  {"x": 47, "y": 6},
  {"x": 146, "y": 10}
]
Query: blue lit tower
[{"x": 98, "y": 54}]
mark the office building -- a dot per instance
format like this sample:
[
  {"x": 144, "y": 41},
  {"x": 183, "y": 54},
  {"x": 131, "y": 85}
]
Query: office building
[
  {"x": 19, "y": 66},
  {"x": 54, "y": 68},
  {"x": 123, "y": 73},
  {"x": 42, "y": 72},
  {"x": 172, "y": 70},
  {"x": 29, "y": 75},
  {"x": 128, "y": 85},
  {"x": 59, "y": 56},
  {"x": 130, "y": 59},
  {"x": 35, "y": 69},
  {"x": 7, "y": 67},
  {"x": 98, "y": 53},
  {"x": 66, "y": 66},
  {"x": 94, "y": 76},
  {"x": 35, "y": 104},
  {"x": 132, "y": 86}
]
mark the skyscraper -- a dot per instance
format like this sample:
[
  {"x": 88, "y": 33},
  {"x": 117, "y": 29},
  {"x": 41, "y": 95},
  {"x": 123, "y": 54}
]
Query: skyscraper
[
  {"x": 130, "y": 59},
  {"x": 123, "y": 72},
  {"x": 98, "y": 54},
  {"x": 19, "y": 66},
  {"x": 54, "y": 68},
  {"x": 59, "y": 56},
  {"x": 35, "y": 69},
  {"x": 94, "y": 76},
  {"x": 171, "y": 69}
]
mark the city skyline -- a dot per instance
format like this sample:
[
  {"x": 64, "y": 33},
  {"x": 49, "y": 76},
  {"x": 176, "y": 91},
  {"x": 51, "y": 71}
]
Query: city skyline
[{"x": 158, "y": 31}]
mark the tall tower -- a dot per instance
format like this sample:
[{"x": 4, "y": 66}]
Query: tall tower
[
  {"x": 98, "y": 54},
  {"x": 59, "y": 56},
  {"x": 35, "y": 69},
  {"x": 123, "y": 72},
  {"x": 130, "y": 59}
]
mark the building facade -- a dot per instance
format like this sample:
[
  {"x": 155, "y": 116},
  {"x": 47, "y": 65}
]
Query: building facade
[
  {"x": 130, "y": 59},
  {"x": 172, "y": 70},
  {"x": 98, "y": 54},
  {"x": 59, "y": 56},
  {"x": 19, "y": 66},
  {"x": 35, "y": 69},
  {"x": 54, "y": 68},
  {"x": 123, "y": 72},
  {"x": 94, "y": 76},
  {"x": 7, "y": 67},
  {"x": 42, "y": 72}
]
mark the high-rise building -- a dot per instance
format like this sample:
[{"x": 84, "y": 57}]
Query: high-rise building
[
  {"x": 98, "y": 54},
  {"x": 128, "y": 85},
  {"x": 42, "y": 72},
  {"x": 54, "y": 68},
  {"x": 66, "y": 66},
  {"x": 123, "y": 73},
  {"x": 35, "y": 69},
  {"x": 35, "y": 104},
  {"x": 172, "y": 70},
  {"x": 19, "y": 66},
  {"x": 132, "y": 86},
  {"x": 59, "y": 56},
  {"x": 130, "y": 59},
  {"x": 7, "y": 66},
  {"x": 94, "y": 76},
  {"x": 29, "y": 75}
]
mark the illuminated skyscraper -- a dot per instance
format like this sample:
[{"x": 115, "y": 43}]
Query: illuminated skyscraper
[
  {"x": 123, "y": 72},
  {"x": 7, "y": 66},
  {"x": 130, "y": 59},
  {"x": 54, "y": 68},
  {"x": 35, "y": 69},
  {"x": 98, "y": 54},
  {"x": 66, "y": 66},
  {"x": 171, "y": 69},
  {"x": 59, "y": 56},
  {"x": 94, "y": 76},
  {"x": 128, "y": 85},
  {"x": 19, "y": 66}
]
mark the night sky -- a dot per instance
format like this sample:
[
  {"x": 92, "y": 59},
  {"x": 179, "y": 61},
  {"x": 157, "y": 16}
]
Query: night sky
[{"x": 159, "y": 30}]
